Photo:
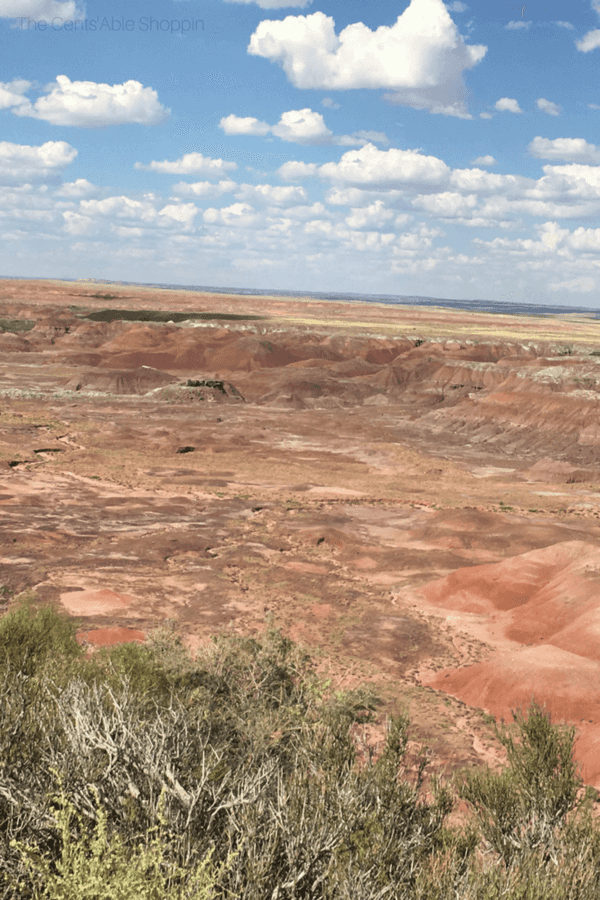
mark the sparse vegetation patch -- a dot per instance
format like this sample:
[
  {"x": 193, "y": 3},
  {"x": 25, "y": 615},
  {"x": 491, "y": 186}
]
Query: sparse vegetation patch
[{"x": 144, "y": 773}]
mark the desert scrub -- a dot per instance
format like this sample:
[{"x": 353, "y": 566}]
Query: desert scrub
[
  {"x": 98, "y": 866},
  {"x": 521, "y": 808},
  {"x": 16, "y": 325},
  {"x": 144, "y": 773},
  {"x": 30, "y": 635}
]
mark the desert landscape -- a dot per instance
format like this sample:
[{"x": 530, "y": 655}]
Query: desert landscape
[{"x": 410, "y": 493}]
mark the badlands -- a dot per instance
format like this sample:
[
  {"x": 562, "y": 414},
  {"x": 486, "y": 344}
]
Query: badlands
[{"x": 410, "y": 492}]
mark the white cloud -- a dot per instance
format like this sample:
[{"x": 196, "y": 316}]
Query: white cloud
[
  {"x": 122, "y": 207},
  {"x": 307, "y": 212},
  {"x": 456, "y": 6},
  {"x": 570, "y": 149},
  {"x": 548, "y": 107},
  {"x": 126, "y": 231},
  {"x": 39, "y": 10},
  {"x": 357, "y": 197},
  {"x": 76, "y": 224},
  {"x": 302, "y": 126},
  {"x": 484, "y": 161},
  {"x": 573, "y": 285},
  {"x": 373, "y": 216},
  {"x": 269, "y": 195},
  {"x": 274, "y": 4},
  {"x": 11, "y": 93},
  {"x": 585, "y": 239},
  {"x": 86, "y": 104},
  {"x": 571, "y": 181},
  {"x": 506, "y": 104},
  {"x": 243, "y": 125},
  {"x": 480, "y": 182},
  {"x": 329, "y": 103},
  {"x": 564, "y": 24},
  {"x": 421, "y": 57},
  {"x": 239, "y": 215},
  {"x": 298, "y": 126},
  {"x": 515, "y": 26},
  {"x": 496, "y": 207},
  {"x": 180, "y": 212},
  {"x": 403, "y": 219},
  {"x": 20, "y": 162},
  {"x": 388, "y": 168},
  {"x": 189, "y": 164},
  {"x": 205, "y": 190},
  {"x": 294, "y": 170},
  {"x": 590, "y": 41},
  {"x": 361, "y": 137},
  {"x": 81, "y": 187},
  {"x": 485, "y": 115},
  {"x": 447, "y": 205}
]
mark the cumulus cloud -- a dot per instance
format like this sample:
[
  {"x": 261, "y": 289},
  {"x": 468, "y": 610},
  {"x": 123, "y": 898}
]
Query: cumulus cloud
[
  {"x": 329, "y": 103},
  {"x": 481, "y": 182},
  {"x": 243, "y": 125},
  {"x": 39, "y": 10},
  {"x": 484, "y": 161},
  {"x": 274, "y": 4},
  {"x": 180, "y": 212},
  {"x": 307, "y": 212},
  {"x": 447, "y": 205},
  {"x": 294, "y": 170},
  {"x": 421, "y": 57},
  {"x": 86, "y": 104},
  {"x": 76, "y": 224},
  {"x": 457, "y": 6},
  {"x": 298, "y": 126},
  {"x": 373, "y": 216},
  {"x": 515, "y": 26},
  {"x": 240, "y": 215},
  {"x": 12, "y": 93},
  {"x": 387, "y": 168},
  {"x": 270, "y": 195},
  {"x": 506, "y": 104},
  {"x": 121, "y": 207},
  {"x": 569, "y": 149},
  {"x": 302, "y": 126},
  {"x": 564, "y": 24},
  {"x": 20, "y": 162},
  {"x": 590, "y": 41},
  {"x": 574, "y": 180},
  {"x": 548, "y": 107},
  {"x": 190, "y": 164},
  {"x": 361, "y": 137},
  {"x": 81, "y": 187},
  {"x": 204, "y": 190},
  {"x": 355, "y": 197}
]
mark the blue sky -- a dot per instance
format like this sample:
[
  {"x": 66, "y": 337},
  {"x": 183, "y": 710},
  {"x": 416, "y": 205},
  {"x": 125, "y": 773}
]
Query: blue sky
[{"x": 446, "y": 150}]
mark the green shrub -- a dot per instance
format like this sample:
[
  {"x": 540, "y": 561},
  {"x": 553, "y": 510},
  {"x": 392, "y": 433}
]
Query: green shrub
[
  {"x": 520, "y": 808},
  {"x": 100, "y": 867},
  {"x": 30, "y": 636},
  {"x": 143, "y": 773}
]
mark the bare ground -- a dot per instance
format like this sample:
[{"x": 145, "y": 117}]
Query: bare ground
[{"x": 413, "y": 494}]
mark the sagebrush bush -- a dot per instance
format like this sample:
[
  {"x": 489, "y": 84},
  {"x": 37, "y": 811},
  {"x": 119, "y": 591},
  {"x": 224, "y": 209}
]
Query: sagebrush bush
[
  {"x": 144, "y": 773},
  {"x": 29, "y": 636}
]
